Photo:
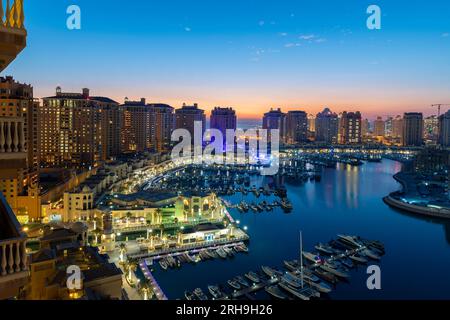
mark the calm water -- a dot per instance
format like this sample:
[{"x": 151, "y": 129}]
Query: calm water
[{"x": 347, "y": 200}]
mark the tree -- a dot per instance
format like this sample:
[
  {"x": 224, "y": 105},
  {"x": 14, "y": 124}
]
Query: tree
[
  {"x": 123, "y": 250},
  {"x": 131, "y": 268}
]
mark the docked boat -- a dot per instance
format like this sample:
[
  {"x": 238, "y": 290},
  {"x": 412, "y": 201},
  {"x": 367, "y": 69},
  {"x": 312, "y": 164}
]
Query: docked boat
[
  {"x": 271, "y": 272},
  {"x": 314, "y": 258},
  {"x": 228, "y": 251},
  {"x": 252, "y": 276},
  {"x": 327, "y": 276},
  {"x": 286, "y": 205},
  {"x": 242, "y": 281},
  {"x": 292, "y": 280},
  {"x": 215, "y": 291},
  {"x": 324, "y": 249},
  {"x": 303, "y": 293},
  {"x": 212, "y": 254},
  {"x": 307, "y": 274},
  {"x": 275, "y": 292},
  {"x": 319, "y": 286},
  {"x": 348, "y": 263},
  {"x": 200, "y": 295},
  {"x": 334, "y": 271},
  {"x": 163, "y": 264},
  {"x": 241, "y": 248},
  {"x": 358, "y": 259},
  {"x": 189, "y": 258},
  {"x": 291, "y": 265},
  {"x": 221, "y": 253},
  {"x": 351, "y": 240},
  {"x": 371, "y": 254},
  {"x": 234, "y": 284},
  {"x": 189, "y": 296}
]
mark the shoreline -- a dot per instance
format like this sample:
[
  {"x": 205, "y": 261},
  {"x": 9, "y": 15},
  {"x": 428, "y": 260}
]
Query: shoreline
[{"x": 425, "y": 211}]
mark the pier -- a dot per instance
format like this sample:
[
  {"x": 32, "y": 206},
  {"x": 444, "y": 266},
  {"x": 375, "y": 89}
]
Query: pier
[{"x": 160, "y": 295}]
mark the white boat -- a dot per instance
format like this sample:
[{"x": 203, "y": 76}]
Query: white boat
[
  {"x": 371, "y": 254},
  {"x": 228, "y": 251},
  {"x": 274, "y": 291},
  {"x": 271, "y": 272},
  {"x": 314, "y": 258},
  {"x": 334, "y": 271},
  {"x": 200, "y": 295},
  {"x": 163, "y": 264},
  {"x": 350, "y": 240},
  {"x": 253, "y": 277},
  {"x": 221, "y": 253},
  {"x": 234, "y": 284},
  {"x": 215, "y": 291},
  {"x": 242, "y": 281}
]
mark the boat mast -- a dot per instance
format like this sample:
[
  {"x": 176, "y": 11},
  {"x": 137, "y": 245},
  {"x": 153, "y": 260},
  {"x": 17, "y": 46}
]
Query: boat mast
[{"x": 301, "y": 257}]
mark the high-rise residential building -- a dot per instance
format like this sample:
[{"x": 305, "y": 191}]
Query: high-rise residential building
[
  {"x": 444, "y": 129},
  {"x": 135, "y": 128},
  {"x": 397, "y": 127},
  {"x": 327, "y": 126},
  {"x": 161, "y": 126},
  {"x": 19, "y": 157},
  {"x": 350, "y": 128},
  {"x": 223, "y": 119},
  {"x": 296, "y": 127},
  {"x": 311, "y": 123},
  {"x": 412, "y": 129},
  {"x": 275, "y": 119},
  {"x": 186, "y": 116},
  {"x": 388, "y": 126},
  {"x": 379, "y": 127},
  {"x": 78, "y": 130},
  {"x": 365, "y": 128},
  {"x": 431, "y": 129}
]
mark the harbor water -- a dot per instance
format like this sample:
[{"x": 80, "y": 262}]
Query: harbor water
[{"x": 347, "y": 200}]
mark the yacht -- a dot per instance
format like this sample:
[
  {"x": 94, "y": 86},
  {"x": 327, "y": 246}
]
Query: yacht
[
  {"x": 270, "y": 272},
  {"x": 291, "y": 265},
  {"x": 314, "y": 258},
  {"x": 371, "y": 254},
  {"x": 242, "y": 281},
  {"x": 274, "y": 291},
  {"x": 188, "y": 295},
  {"x": 327, "y": 276},
  {"x": 303, "y": 294},
  {"x": 319, "y": 286},
  {"x": 334, "y": 271},
  {"x": 358, "y": 259},
  {"x": 215, "y": 291},
  {"x": 325, "y": 249},
  {"x": 200, "y": 295},
  {"x": 221, "y": 253},
  {"x": 351, "y": 240},
  {"x": 253, "y": 277},
  {"x": 228, "y": 251},
  {"x": 234, "y": 284},
  {"x": 163, "y": 264}
]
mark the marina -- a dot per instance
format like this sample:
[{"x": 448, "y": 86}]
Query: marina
[{"x": 300, "y": 281}]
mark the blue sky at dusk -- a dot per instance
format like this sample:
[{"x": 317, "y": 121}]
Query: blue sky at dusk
[{"x": 248, "y": 54}]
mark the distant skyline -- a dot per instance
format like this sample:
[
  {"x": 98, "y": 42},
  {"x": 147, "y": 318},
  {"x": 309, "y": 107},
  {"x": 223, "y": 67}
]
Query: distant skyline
[{"x": 247, "y": 54}]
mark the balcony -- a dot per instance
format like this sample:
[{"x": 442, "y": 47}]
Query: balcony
[
  {"x": 13, "y": 256},
  {"x": 13, "y": 36},
  {"x": 13, "y": 147}
]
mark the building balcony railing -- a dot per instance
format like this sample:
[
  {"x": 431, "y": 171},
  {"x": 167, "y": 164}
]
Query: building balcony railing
[
  {"x": 12, "y": 31},
  {"x": 13, "y": 255},
  {"x": 13, "y": 145}
]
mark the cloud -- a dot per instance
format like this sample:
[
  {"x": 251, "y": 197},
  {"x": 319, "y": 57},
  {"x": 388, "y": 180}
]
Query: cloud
[
  {"x": 445, "y": 35},
  {"x": 283, "y": 34},
  {"x": 291, "y": 45},
  {"x": 307, "y": 37},
  {"x": 320, "y": 40},
  {"x": 261, "y": 23},
  {"x": 187, "y": 29}
]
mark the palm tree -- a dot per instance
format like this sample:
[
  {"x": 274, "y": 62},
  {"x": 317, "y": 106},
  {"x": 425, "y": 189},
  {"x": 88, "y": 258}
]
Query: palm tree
[
  {"x": 123, "y": 250},
  {"x": 147, "y": 291},
  {"x": 97, "y": 232},
  {"x": 131, "y": 268},
  {"x": 129, "y": 216}
]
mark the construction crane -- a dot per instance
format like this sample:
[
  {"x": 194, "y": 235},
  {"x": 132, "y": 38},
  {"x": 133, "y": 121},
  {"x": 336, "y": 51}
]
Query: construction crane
[{"x": 439, "y": 105}]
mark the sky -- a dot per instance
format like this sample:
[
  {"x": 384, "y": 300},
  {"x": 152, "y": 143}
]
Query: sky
[{"x": 251, "y": 55}]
